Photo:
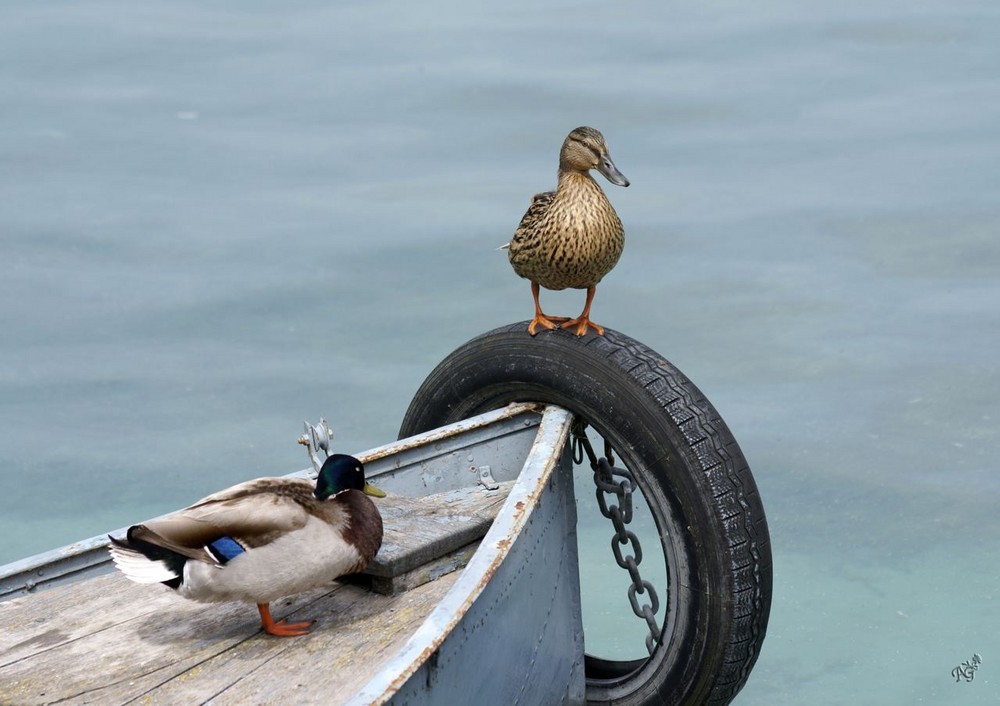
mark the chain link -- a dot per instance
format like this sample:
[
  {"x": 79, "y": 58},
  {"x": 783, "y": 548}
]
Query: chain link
[{"x": 620, "y": 514}]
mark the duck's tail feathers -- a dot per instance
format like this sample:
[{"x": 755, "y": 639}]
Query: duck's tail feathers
[
  {"x": 146, "y": 557},
  {"x": 505, "y": 246}
]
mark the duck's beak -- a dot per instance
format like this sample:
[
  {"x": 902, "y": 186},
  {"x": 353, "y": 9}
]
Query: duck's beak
[
  {"x": 370, "y": 489},
  {"x": 608, "y": 169}
]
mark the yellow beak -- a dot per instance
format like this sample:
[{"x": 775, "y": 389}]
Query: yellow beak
[{"x": 370, "y": 489}]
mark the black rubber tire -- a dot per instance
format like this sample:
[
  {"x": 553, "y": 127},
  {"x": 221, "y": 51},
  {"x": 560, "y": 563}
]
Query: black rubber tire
[{"x": 689, "y": 468}]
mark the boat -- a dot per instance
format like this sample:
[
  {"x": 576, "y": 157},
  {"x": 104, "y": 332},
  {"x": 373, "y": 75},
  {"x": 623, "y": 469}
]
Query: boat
[{"x": 475, "y": 595}]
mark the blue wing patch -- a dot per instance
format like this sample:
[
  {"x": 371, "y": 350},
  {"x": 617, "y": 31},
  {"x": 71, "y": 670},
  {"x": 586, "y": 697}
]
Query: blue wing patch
[{"x": 224, "y": 549}]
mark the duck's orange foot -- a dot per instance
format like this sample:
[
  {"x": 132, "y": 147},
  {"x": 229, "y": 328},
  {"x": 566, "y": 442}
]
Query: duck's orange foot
[
  {"x": 549, "y": 322},
  {"x": 281, "y": 628},
  {"x": 583, "y": 323}
]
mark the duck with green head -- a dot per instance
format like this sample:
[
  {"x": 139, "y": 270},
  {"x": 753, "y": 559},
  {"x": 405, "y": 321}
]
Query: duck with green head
[
  {"x": 571, "y": 237},
  {"x": 261, "y": 540}
]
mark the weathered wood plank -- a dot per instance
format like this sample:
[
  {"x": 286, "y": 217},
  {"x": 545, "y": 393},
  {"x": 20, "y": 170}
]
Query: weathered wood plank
[
  {"x": 453, "y": 561},
  {"x": 109, "y": 641},
  {"x": 106, "y": 640},
  {"x": 420, "y": 530}
]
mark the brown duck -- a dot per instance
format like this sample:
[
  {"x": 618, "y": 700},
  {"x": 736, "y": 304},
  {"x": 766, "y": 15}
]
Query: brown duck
[{"x": 571, "y": 237}]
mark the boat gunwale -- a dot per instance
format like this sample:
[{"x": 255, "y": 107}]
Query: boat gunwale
[
  {"x": 88, "y": 557},
  {"x": 553, "y": 434}
]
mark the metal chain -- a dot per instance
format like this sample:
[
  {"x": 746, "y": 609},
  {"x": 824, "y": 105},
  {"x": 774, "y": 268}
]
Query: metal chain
[{"x": 620, "y": 515}]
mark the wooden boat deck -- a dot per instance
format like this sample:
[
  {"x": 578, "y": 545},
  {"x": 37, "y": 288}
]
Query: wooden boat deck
[
  {"x": 74, "y": 632},
  {"x": 107, "y": 640}
]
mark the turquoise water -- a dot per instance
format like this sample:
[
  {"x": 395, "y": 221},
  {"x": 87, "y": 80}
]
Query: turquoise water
[{"x": 218, "y": 222}]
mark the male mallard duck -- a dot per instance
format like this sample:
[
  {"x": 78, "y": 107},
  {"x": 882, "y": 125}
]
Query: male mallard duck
[
  {"x": 261, "y": 540},
  {"x": 571, "y": 237}
]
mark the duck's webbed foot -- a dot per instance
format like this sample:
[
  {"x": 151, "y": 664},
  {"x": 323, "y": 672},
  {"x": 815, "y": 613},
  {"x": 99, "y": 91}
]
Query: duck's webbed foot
[
  {"x": 549, "y": 322},
  {"x": 281, "y": 628},
  {"x": 583, "y": 322}
]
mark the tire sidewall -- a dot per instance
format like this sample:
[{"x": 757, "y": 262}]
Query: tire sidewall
[{"x": 590, "y": 377}]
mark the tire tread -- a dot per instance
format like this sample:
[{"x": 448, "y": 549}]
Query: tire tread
[{"x": 710, "y": 449}]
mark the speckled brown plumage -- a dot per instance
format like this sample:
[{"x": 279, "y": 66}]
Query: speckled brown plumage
[{"x": 571, "y": 237}]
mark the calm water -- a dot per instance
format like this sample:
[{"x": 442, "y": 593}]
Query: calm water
[{"x": 215, "y": 223}]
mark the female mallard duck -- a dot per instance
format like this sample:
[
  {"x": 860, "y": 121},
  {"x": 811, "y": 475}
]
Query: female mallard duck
[
  {"x": 261, "y": 540},
  {"x": 571, "y": 237}
]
